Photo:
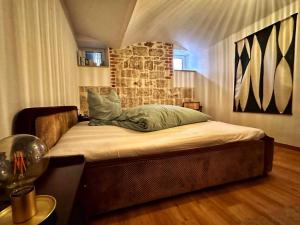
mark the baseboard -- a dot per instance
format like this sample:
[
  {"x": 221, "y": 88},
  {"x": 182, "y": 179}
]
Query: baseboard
[{"x": 287, "y": 146}]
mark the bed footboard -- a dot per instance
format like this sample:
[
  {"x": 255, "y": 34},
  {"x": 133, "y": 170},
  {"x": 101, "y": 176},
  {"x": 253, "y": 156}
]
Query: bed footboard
[
  {"x": 115, "y": 184},
  {"x": 269, "y": 152}
]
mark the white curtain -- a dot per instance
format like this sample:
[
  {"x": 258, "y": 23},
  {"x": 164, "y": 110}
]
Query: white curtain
[{"x": 38, "y": 63}]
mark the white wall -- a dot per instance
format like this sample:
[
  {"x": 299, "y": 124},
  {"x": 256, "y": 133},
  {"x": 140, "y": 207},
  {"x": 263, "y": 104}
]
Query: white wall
[
  {"x": 184, "y": 78},
  {"x": 216, "y": 83},
  {"x": 38, "y": 65},
  {"x": 94, "y": 76}
]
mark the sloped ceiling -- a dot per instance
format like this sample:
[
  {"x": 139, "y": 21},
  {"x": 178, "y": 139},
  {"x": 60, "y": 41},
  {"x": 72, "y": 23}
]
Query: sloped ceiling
[
  {"x": 190, "y": 24},
  {"x": 99, "y": 23}
]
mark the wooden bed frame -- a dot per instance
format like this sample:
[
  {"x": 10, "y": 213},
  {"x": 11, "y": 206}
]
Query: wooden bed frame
[{"x": 112, "y": 184}]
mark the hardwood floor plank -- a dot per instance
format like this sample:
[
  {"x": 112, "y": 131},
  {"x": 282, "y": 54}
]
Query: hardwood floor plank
[{"x": 271, "y": 200}]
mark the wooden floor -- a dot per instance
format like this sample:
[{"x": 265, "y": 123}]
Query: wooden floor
[{"x": 273, "y": 200}]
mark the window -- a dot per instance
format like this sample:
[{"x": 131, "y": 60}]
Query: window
[
  {"x": 91, "y": 57},
  {"x": 180, "y": 62},
  {"x": 94, "y": 57},
  {"x": 177, "y": 64}
]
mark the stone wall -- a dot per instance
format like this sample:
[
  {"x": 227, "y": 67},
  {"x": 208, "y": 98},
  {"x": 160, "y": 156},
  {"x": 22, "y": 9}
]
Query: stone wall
[
  {"x": 141, "y": 74},
  {"x": 180, "y": 94}
]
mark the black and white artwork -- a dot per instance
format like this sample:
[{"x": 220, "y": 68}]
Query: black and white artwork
[{"x": 264, "y": 69}]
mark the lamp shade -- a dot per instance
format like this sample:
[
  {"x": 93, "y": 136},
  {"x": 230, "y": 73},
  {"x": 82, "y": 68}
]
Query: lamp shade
[{"x": 23, "y": 158}]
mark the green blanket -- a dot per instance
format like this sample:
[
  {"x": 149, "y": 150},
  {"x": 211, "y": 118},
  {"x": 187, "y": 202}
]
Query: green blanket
[{"x": 154, "y": 117}]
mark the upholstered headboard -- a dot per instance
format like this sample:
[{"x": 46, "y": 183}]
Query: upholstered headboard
[{"x": 47, "y": 123}]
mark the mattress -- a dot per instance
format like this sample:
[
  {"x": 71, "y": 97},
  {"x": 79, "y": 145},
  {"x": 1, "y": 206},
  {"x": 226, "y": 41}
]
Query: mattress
[{"x": 111, "y": 142}]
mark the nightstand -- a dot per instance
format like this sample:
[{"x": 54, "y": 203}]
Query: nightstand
[
  {"x": 82, "y": 118},
  {"x": 193, "y": 105},
  {"x": 61, "y": 180}
]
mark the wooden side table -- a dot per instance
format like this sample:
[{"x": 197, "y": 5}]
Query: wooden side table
[
  {"x": 61, "y": 180},
  {"x": 193, "y": 105}
]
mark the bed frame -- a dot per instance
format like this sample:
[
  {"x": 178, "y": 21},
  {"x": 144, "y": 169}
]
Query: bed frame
[{"x": 112, "y": 184}]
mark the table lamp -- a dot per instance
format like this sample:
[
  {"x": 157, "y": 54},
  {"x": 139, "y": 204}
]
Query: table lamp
[{"x": 23, "y": 158}]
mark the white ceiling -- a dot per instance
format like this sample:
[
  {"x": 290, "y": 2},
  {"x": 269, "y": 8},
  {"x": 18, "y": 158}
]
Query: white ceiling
[
  {"x": 187, "y": 23},
  {"x": 99, "y": 23}
]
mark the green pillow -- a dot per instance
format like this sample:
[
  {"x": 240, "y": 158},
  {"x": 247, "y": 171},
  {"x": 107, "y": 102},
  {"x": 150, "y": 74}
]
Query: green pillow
[{"x": 104, "y": 107}]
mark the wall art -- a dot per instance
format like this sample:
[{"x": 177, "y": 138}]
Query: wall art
[{"x": 264, "y": 69}]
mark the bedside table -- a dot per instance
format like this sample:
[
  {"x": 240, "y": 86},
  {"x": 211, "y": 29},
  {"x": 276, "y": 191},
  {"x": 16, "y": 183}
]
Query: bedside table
[
  {"x": 193, "y": 105},
  {"x": 61, "y": 180}
]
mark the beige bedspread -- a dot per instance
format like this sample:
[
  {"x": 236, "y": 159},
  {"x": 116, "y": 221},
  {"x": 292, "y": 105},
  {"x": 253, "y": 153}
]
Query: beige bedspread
[{"x": 108, "y": 142}]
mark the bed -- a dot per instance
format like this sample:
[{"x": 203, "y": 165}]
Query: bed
[{"x": 131, "y": 167}]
